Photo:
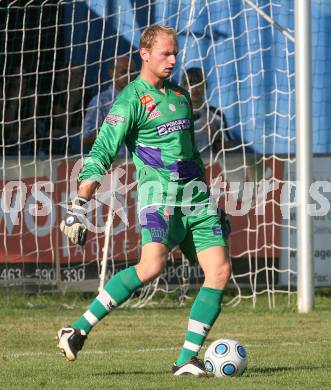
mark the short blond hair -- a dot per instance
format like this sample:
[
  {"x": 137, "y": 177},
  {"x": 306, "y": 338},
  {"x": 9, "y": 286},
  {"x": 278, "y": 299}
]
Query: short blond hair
[{"x": 148, "y": 36}]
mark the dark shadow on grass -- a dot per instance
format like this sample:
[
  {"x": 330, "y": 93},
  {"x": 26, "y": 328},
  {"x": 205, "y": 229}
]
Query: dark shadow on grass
[
  {"x": 128, "y": 372},
  {"x": 272, "y": 370},
  {"x": 249, "y": 373}
]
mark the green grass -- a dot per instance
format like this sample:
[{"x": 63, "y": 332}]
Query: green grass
[{"x": 134, "y": 349}]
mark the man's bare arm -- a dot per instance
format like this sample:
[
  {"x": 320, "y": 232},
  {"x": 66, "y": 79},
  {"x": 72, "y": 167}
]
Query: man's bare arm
[{"x": 87, "y": 188}]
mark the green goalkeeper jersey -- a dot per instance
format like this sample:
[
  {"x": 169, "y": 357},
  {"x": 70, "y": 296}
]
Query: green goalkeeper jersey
[{"x": 158, "y": 131}]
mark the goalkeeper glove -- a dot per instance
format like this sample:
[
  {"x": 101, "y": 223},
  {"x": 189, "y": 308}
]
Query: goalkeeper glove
[{"x": 74, "y": 224}]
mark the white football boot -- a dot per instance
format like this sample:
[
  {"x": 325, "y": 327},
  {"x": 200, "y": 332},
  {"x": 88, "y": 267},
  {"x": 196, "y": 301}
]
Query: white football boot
[
  {"x": 71, "y": 341},
  {"x": 194, "y": 367}
]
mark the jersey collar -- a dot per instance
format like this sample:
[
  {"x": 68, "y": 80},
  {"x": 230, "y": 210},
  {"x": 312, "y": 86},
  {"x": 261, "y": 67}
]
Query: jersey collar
[{"x": 152, "y": 88}]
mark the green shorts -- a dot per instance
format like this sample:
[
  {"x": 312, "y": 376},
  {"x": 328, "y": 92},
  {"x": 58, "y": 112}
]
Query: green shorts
[{"x": 193, "y": 232}]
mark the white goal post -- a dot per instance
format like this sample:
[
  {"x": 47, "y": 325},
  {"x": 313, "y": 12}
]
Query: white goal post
[{"x": 304, "y": 154}]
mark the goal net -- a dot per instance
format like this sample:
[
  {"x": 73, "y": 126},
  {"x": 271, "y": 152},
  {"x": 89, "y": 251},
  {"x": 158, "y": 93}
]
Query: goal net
[{"x": 60, "y": 61}]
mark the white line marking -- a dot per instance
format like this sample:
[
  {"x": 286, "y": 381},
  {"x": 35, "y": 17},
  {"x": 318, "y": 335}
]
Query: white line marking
[
  {"x": 148, "y": 350},
  {"x": 91, "y": 352}
]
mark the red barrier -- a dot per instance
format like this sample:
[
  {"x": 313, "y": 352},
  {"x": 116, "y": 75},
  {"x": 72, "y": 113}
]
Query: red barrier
[{"x": 25, "y": 238}]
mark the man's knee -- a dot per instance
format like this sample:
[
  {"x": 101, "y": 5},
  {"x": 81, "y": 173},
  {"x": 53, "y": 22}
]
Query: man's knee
[
  {"x": 225, "y": 269},
  {"x": 148, "y": 271},
  {"x": 217, "y": 268},
  {"x": 152, "y": 262}
]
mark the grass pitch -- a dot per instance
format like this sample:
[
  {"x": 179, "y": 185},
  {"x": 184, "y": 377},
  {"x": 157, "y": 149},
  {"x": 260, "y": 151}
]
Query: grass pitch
[{"x": 134, "y": 349}]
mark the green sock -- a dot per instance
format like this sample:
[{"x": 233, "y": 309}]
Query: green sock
[
  {"x": 117, "y": 290},
  {"x": 204, "y": 312}
]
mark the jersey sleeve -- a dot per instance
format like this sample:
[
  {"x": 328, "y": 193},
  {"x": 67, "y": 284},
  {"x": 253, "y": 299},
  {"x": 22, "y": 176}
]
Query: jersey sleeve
[
  {"x": 114, "y": 130},
  {"x": 195, "y": 152}
]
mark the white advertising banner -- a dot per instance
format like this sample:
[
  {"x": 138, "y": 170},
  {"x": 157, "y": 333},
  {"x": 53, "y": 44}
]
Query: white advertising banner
[{"x": 321, "y": 213}]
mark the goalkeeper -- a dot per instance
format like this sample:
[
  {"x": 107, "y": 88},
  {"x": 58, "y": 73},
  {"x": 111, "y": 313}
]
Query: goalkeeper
[{"x": 154, "y": 118}]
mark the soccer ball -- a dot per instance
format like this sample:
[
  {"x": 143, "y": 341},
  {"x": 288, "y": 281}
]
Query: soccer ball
[{"x": 226, "y": 358}]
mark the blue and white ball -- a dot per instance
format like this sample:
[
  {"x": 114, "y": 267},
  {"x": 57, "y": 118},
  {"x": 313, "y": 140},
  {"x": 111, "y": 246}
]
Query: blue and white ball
[{"x": 226, "y": 358}]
